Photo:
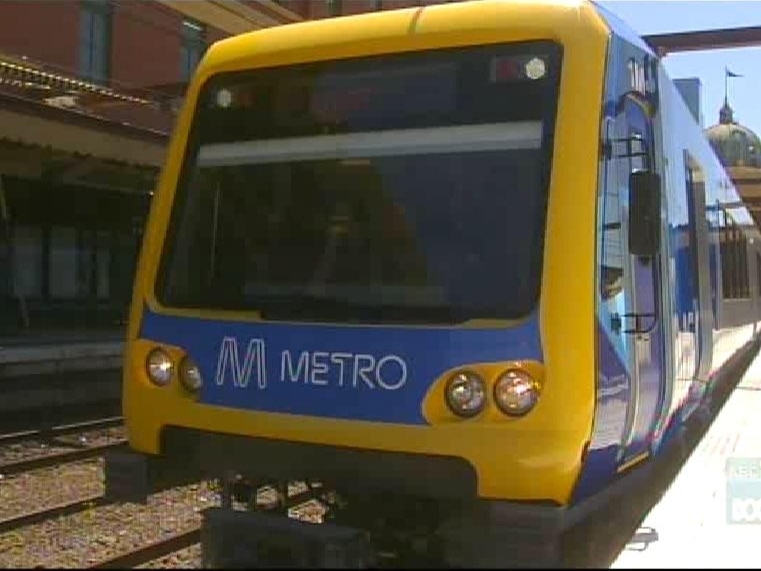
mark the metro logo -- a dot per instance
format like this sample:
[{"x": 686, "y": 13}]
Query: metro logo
[
  {"x": 254, "y": 360},
  {"x": 345, "y": 370},
  {"x": 321, "y": 368}
]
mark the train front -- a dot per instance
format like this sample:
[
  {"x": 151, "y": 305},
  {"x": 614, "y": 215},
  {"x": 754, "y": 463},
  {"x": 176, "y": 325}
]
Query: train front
[{"x": 349, "y": 276}]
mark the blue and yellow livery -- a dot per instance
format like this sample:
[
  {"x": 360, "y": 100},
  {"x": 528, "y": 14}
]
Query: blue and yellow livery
[{"x": 470, "y": 255}]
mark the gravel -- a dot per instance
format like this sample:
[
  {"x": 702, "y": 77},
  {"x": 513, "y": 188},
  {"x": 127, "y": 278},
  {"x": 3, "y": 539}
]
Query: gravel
[
  {"x": 101, "y": 532},
  {"x": 82, "y": 539},
  {"x": 189, "y": 558},
  {"x": 31, "y": 491}
]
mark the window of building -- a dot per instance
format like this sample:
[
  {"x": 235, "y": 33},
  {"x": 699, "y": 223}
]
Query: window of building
[
  {"x": 95, "y": 40},
  {"x": 734, "y": 260},
  {"x": 192, "y": 48},
  {"x": 334, "y": 7},
  {"x": 26, "y": 261}
]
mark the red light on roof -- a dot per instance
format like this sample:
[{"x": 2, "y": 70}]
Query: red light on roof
[{"x": 505, "y": 69}]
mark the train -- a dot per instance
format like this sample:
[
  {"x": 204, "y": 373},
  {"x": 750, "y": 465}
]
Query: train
[{"x": 455, "y": 274}]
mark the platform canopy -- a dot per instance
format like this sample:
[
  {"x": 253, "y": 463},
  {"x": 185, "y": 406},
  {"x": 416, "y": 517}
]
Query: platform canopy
[
  {"x": 69, "y": 131},
  {"x": 664, "y": 44}
]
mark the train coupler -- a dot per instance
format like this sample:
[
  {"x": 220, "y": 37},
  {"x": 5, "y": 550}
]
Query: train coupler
[{"x": 248, "y": 539}]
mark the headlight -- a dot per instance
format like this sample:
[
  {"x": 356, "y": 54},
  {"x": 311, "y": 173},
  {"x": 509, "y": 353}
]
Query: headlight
[
  {"x": 466, "y": 394},
  {"x": 190, "y": 375},
  {"x": 515, "y": 392},
  {"x": 159, "y": 367}
]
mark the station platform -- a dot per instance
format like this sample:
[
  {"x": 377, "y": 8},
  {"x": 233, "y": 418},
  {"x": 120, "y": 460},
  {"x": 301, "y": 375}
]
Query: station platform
[
  {"x": 48, "y": 352},
  {"x": 55, "y": 373},
  {"x": 694, "y": 525}
]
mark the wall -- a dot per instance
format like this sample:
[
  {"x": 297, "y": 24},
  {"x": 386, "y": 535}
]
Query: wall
[
  {"x": 145, "y": 44},
  {"x": 42, "y": 30},
  {"x": 145, "y": 38}
]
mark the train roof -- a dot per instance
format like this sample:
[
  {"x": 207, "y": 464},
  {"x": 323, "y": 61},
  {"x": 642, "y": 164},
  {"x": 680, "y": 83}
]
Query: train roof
[{"x": 439, "y": 25}]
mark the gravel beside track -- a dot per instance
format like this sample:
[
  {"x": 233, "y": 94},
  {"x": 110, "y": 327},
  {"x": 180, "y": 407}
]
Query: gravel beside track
[
  {"x": 85, "y": 538},
  {"x": 31, "y": 491},
  {"x": 189, "y": 558}
]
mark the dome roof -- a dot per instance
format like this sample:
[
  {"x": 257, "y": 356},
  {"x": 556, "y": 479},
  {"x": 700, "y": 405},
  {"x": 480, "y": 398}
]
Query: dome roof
[{"x": 737, "y": 146}]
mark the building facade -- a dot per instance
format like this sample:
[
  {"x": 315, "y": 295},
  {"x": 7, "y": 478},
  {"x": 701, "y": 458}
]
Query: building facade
[
  {"x": 86, "y": 104},
  {"x": 124, "y": 42}
]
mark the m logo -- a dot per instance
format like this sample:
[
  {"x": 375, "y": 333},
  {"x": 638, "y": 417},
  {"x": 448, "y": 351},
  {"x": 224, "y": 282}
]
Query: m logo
[{"x": 254, "y": 362}]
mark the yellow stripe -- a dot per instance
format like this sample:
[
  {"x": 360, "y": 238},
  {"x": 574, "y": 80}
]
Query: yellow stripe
[{"x": 636, "y": 460}]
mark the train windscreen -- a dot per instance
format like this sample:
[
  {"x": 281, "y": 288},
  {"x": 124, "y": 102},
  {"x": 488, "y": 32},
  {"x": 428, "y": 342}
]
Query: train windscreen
[{"x": 410, "y": 187}]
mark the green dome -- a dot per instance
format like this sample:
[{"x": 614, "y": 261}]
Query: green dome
[{"x": 737, "y": 146}]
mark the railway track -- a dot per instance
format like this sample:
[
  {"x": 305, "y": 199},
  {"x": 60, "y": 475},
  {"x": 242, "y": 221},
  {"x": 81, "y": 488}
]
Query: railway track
[
  {"x": 151, "y": 551},
  {"x": 127, "y": 559},
  {"x": 59, "y": 510},
  {"x": 49, "y": 433},
  {"x": 26, "y": 465}
]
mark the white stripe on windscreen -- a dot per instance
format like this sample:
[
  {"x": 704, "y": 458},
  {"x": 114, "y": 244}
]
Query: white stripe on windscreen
[{"x": 466, "y": 138}]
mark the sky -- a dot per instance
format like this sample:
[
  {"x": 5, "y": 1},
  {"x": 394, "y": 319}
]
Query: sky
[{"x": 661, "y": 16}]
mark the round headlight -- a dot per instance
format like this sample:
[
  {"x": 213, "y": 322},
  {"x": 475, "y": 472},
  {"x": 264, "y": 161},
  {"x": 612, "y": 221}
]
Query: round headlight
[
  {"x": 515, "y": 393},
  {"x": 159, "y": 367},
  {"x": 466, "y": 394},
  {"x": 190, "y": 375},
  {"x": 535, "y": 68}
]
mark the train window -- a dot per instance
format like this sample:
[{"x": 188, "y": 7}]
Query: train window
[
  {"x": 356, "y": 189},
  {"x": 628, "y": 147},
  {"x": 629, "y": 136},
  {"x": 305, "y": 233},
  {"x": 685, "y": 246}
]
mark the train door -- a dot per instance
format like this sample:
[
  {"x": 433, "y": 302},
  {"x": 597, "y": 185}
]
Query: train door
[
  {"x": 641, "y": 323},
  {"x": 699, "y": 321}
]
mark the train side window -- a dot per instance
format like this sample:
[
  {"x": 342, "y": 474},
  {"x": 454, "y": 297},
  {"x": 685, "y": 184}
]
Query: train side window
[
  {"x": 686, "y": 249},
  {"x": 611, "y": 269},
  {"x": 629, "y": 138}
]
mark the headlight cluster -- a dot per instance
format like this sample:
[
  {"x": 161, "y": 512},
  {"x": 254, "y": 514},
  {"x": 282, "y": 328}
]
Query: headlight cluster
[
  {"x": 515, "y": 393},
  {"x": 159, "y": 367}
]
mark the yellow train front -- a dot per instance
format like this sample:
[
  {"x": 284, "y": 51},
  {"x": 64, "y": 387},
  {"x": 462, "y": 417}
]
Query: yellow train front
[{"x": 374, "y": 265}]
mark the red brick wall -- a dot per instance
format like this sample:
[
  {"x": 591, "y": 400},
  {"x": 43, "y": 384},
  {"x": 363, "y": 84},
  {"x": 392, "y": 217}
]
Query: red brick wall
[
  {"x": 145, "y": 38},
  {"x": 145, "y": 44},
  {"x": 295, "y": 6},
  {"x": 45, "y": 30},
  {"x": 314, "y": 9},
  {"x": 397, "y": 4}
]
